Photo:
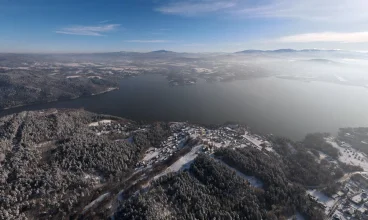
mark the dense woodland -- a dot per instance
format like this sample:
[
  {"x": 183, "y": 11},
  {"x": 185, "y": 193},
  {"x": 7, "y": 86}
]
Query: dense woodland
[
  {"x": 303, "y": 164},
  {"x": 53, "y": 165},
  {"x": 24, "y": 87},
  {"x": 210, "y": 190},
  {"x": 317, "y": 142},
  {"x": 356, "y": 137},
  {"x": 50, "y": 161}
]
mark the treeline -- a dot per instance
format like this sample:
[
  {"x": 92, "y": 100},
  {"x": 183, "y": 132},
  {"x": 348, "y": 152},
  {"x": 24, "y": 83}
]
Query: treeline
[
  {"x": 304, "y": 166},
  {"x": 318, "y": 142},
  {"x": 282, "y": 194},
  {"x": 356, "y": 137},
  {"x": 52, "y": 164},
  {"x": 52, "y": 161},
  {"x": 24, "y": 87},
  {"x": 155, "y": 134},
  {"x": 210, "y": 190}
]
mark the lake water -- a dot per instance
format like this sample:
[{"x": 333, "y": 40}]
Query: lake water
[{"x": 268, "y": 105}]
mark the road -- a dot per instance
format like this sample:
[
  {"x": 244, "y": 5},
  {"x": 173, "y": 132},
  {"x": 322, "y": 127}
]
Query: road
[
  {"x": 334, "y": 208},
  {"x": 349, "y": 175},
  {"x": 338, "y": 202}
]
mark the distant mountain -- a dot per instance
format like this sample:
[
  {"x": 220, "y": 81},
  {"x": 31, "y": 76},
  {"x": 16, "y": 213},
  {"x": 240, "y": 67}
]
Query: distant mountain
[
  {"x": 162, "y": 52},
  {"x": 251, "y": 51},
  {"x": 313, "y": 50},
  {"x": 322, "y": 61},
  {"x": 268, "y": 51},
  {"x": 285, "y": 51}
]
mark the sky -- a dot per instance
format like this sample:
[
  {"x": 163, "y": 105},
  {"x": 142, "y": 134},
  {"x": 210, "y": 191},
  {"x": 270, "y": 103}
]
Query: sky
[{"x": 181, "y": 25}]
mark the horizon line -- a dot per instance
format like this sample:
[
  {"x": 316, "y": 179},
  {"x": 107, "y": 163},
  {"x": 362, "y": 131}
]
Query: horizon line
[{"x": 132, "y": 51}]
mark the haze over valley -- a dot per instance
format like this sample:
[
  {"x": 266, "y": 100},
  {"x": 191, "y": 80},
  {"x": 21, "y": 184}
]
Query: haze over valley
[
  {"x": 184, "y": 110},
  {"x": 284, "y": 92}
]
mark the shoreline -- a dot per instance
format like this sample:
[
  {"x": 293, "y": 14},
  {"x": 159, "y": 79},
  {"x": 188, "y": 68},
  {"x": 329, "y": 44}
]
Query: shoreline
[
  {"x": 106, "y": 91},
  {"x": 56, "y": 100}
]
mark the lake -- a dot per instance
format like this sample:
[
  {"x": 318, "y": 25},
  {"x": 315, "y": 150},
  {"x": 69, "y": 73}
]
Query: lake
[{"x": 268, "y": 105}]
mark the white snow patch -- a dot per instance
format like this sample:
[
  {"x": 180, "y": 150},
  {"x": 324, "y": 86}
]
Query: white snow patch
[
  {"x": 202, "y": 70},
  {"x": 68, "y": 64},
  {"x": 95, "y": 179},
  {"x": 253, "y": 140},
  {"x": 97, "y": 77},
  {"x": 73, "y": 77},
  {"x": 151, "y": 155},
  {"x": 254, "y": 181},
  {"x": 98, "y": 200},
  {"x": 339, "y": 215},
  {"x": 322, "y": 198},
  {"x": 183, "y": 163},
  {"x": 350, "y": 156},
  {"x": 102, "y": 122}
]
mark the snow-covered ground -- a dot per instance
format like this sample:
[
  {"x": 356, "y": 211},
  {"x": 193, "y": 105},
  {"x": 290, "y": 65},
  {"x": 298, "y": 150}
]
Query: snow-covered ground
[
  {"x": 322, "y": 198},
  {"x": 72, "y": 77},
  {"x": 107, "y": 90},
  {"x": 97, "y": 77},
  {"x": 102, "y": 122},
  {"x": 254, "y": 181},
  {"x": 322, "y": 156},
  {"x": 183, "y": 163},
  {"x": 96, "y": 201},
  {"x": 68, "y": 64},
  {"x": 93, "y": 178},
  {"x": 152, "y": 154},
  {"x": 350, "y": 155},
  {"x": 253, "y": 140},
  {"x": 339, "y": 215},
  {"x": 203, "y": 70}
]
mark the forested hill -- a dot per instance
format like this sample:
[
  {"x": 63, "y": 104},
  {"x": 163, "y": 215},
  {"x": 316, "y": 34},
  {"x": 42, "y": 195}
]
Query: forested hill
[
  {"x": 21, "y": 87},
  {"x": 52, "y": 162},
  {"x": 73, "y": 164}
]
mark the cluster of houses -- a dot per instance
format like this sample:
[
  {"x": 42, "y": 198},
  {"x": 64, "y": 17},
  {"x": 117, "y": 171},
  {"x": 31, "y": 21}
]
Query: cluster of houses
[
  {"x": 210, "y": 139},
  {"x": 108, "y": 127},
  {"x": 352, "y": 200},
  {"x": 168, "y": 147}
]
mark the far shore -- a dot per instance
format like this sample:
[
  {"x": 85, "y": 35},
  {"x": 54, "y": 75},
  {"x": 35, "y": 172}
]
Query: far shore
[{"x": 56, "y": 100}]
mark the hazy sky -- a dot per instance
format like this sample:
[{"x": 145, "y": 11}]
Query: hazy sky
[{"x": 181, "y": 25}]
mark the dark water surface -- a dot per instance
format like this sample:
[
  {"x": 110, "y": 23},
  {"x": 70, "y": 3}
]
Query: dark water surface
[{"x": 268, "y": 105}]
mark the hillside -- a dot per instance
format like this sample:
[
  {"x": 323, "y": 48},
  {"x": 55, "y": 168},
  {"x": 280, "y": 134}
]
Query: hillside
[{"x": 73, "y": 164}]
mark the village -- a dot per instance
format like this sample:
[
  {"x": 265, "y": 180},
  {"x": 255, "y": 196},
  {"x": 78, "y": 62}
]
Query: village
[
  {"x": 350, "y": 201},
  {"x": 209, "y": 139}
]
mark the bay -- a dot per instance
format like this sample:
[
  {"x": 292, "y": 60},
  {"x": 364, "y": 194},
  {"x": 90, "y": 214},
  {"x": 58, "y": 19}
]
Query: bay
[{"x": 268, "y": 105}]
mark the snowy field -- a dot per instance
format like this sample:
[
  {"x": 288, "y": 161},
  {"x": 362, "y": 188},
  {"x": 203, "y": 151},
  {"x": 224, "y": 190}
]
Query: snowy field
[
  {"x": 253, "y": 181},
  {"x": 322, "y": 198},
  {"x": 253, "y": 140},
  {"x": 72, "y": 77},
  {"x": 350, "y": 156},
  {"x": 202, "y": 70},
  {"x": 151, "y": 154},
  {"x": 183, "y": 163},
  {"x": 102, "y": 122}
]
